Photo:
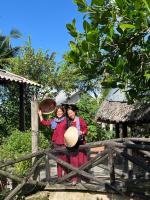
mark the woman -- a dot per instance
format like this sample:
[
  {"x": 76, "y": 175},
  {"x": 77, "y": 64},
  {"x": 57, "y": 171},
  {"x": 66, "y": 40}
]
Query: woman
[
  {"x": 77, "y": 158},
  {"x": 58, "y": 124}
]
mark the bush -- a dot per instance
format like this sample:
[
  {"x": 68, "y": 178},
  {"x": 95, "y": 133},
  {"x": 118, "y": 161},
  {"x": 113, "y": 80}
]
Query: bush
[
  {"x": 17, "y": 145},
  {"x": 4, "y": 193},
  {"x": 96, "y": 133}
]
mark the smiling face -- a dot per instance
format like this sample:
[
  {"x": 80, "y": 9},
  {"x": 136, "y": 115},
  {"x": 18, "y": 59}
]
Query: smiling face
[
  {"x": 71, "y": 114},
  {"x": 59, "y": 113}
]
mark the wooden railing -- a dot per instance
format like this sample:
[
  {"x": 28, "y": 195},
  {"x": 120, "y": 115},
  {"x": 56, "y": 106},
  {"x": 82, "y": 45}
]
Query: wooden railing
[{"x": 126, "y": 161}]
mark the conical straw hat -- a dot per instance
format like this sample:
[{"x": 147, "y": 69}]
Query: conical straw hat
[{"x": 71, "y": 137}]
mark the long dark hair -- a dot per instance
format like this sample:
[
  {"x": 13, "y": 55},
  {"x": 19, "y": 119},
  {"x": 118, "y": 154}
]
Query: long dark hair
[
  {"x": 61, "y": 108},
  {"x": 74, "y": 108}
]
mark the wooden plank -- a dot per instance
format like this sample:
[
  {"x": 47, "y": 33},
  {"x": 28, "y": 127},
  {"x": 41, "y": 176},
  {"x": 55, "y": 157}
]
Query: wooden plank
[{"x": 78, "y": 187}]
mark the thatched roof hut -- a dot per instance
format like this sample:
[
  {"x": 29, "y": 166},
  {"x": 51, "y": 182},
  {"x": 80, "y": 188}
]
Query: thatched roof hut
[
  {"x": 116, "y": 110},
  {"x": 121, "y": 112}
]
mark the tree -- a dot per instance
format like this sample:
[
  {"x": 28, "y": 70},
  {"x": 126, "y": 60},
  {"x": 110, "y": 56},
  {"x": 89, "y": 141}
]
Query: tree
[
  {"x": 6, "y": 53},
  {"x": 37, "y": 66},
  {"x": 6, "y": 50},
  {"x": 114, "y": 48}
]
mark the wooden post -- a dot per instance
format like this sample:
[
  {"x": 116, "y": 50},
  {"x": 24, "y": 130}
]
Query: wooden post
[
  {"x": 104, "y": 125},
  {"x": 47, "y": 166},
  {"x": 34, "y": 125},
  {"x": 117, "y": 130},
  {"x": 125, "y": 162},
  {"x": 111, "y": 165},
  {"x": 111, "y": 127},
  {"x": 21, "y": 108},
  {"x": 120, "y": 130},
  {"x": 130, "y": 165},
  {"x": 124, "y": 129}
]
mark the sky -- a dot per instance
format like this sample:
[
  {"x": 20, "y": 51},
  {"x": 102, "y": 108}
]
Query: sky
[{"x": 43, "y": 20}]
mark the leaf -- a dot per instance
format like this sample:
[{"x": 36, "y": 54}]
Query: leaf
[
  {"x": 125, "y": 26},
  {"x": 84, "y": 45},
  {"x": 147, "y": 74},
  {"x": 72, "y": 29},
  {"x": 73, "y": 46},
  {"x": 97, "y": 2},
  {"x": 74, "y": 22},
  {"x": 73, "y": 56},
  {"x": 92, "y": 36},
  {"x": 146, "y": 4},
  {"x": 69, "y": 27},
  {"x": 80, "y": 2},
  {"x": 15, "y": 33},
  {"x": 82, "y": 6},
  {"x": 86, "y": 26}
]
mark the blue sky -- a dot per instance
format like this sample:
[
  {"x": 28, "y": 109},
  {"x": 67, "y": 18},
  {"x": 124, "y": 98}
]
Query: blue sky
[{"x": 44, "y": 20}]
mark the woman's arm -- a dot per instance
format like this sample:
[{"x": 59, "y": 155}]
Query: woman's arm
[
  {"x": 40, "y": 115},
  {"x": 42, "y": 120},
  {"x": 83, "y": 127}
]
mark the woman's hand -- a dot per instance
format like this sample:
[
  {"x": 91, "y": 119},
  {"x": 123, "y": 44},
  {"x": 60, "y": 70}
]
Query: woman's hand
[
  {"x": 80, "y": 133},
  {"x": 40, "y": 114}
]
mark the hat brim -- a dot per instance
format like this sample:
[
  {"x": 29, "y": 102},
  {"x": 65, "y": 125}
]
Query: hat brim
[
  {"x": 71, "y": 137},
  {"x": 47, "y": 106}
]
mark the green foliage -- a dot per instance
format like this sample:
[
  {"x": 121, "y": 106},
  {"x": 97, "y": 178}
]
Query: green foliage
[
  {"x": 9, "y": 109},
  {"x": 88, "y": 107},
  {"x": 114, "y": 48},
  {"x": 6, "y": 50},
  {"x": 96, "y": 133},
  {"x": 17, "y": 145},
  {"x": 4, "y": 193},
  {"x": 37, "y": 66}
]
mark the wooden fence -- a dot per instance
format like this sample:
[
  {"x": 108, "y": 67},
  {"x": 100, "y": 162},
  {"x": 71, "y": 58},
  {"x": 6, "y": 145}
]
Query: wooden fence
[{"x": 126, "y": 161}]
